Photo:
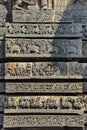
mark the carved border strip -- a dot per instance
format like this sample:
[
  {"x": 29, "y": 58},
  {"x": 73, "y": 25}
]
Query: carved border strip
[
  {"x": 44, "y": 87},
  {"x": 45, "y": 104},
  {"x": 41, "y": 16},
  {"x": 43, "y": 121},
  {"x": 43, "y": 48},
  {"x": 45, "y": 70},
  {"x": 43, "y": 30}
]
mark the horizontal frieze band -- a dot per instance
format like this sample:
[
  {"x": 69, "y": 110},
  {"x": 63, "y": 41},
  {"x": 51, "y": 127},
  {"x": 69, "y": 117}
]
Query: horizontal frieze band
[
  {"x": 45, "y": 70},
  {"x": 45, "y": 104},
  {"x": 43, "y": 30},
  {"x": 12, "y": 121},
  {"x": 35, "y": 87},
  {"x": 35, "y": 15},
  {"x": 44, "y": 48}
]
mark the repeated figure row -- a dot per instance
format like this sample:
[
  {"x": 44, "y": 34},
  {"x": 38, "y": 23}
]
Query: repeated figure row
[{"x": 46, "y": 102}]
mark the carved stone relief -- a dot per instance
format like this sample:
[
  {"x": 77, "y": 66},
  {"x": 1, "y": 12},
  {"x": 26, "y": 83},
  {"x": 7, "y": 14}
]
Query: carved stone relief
[
  {"x": 78, "y": 70},
  {"x": 44, "y": 104},
  {"x": 43, "y": 30},
  {"x": 35, "y": 70},
  {"x": 15, "y": 87},
  {"x": 41, "y": 16},
  {"x": 43, "y": 120},
  {"x": 45, "y": 70},
  {"x": 43, "y": 48}
]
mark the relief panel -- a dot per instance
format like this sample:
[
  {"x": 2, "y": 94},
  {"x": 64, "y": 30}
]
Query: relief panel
[
  {"x": 43, "y": 30},
  {"x": 45, "y": 70},
  {"x": 78, "y": 70},
  {"x": 41, "y": 16},
  {"x": 43, "y": 48},
  {"x": 36, "y": 87},
  {"x": 31, "y": 70},
  {"x": 43, "y": 121},
  {"x": 45, "y": 104}
]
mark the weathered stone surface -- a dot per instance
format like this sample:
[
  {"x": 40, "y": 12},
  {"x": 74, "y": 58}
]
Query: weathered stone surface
[
  {"x": 43, "y": 121},
  {"x": 37, "y": 87},
  {"x": 77, "y": 70},
  {"x": 44, "y": 104},
  {"x": 1, "y": 103},
  {"x": 45, "y": 70},
  {"x": 2, "y": 87},
  {"x": 2, "y": 32},
  {"x": 43, "y": 30},
  {"x": 41, "y": 16},
  {"x": 1, "y": 119},
  {"x": 31, "y": 70},
  {"x": 2, "y": 70},
  {"x": 43, "y": 48},
  {"x": 2, "y": 50},
  {"x": 84, "y": 32},
  {"x": 3, "y": 13}
]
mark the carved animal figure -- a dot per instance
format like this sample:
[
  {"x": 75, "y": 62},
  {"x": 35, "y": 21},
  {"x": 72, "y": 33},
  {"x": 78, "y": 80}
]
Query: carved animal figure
[
  {"x": 20, "y": 4},
  {"x": 71, "y": 50},
  {"x": 33, "y": 49},
  {"x": 15, "y": 49}
]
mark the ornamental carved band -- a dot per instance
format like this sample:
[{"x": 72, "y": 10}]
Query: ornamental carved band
[
  {"x": 44, "y": 48},
  {"x": 43, "y": 30},
  {"x": 44, "y": 121},
  {"x": 41, "y": 16},
  {"x": 45, "y": 70},
  {"x": 35, "y": 87},
  {"x": 45, "y": 104}
]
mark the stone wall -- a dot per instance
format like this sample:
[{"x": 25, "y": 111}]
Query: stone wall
[{"x": 43, "y": 64}]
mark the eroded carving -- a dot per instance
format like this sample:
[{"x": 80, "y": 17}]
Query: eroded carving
[
  {"x": 3, "y": 12},
  {"x": 27, "y": 104},
  {"x": 44, "y": 120},
  {"x": 43, "y": 30},
  {"x": 36, "y": 70},
  {"x": 41, "y": 16},
  {"x": 78, "y": 69},
  {"x": 43, "y": 47},
  {"x": 44, "y": 87}
]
